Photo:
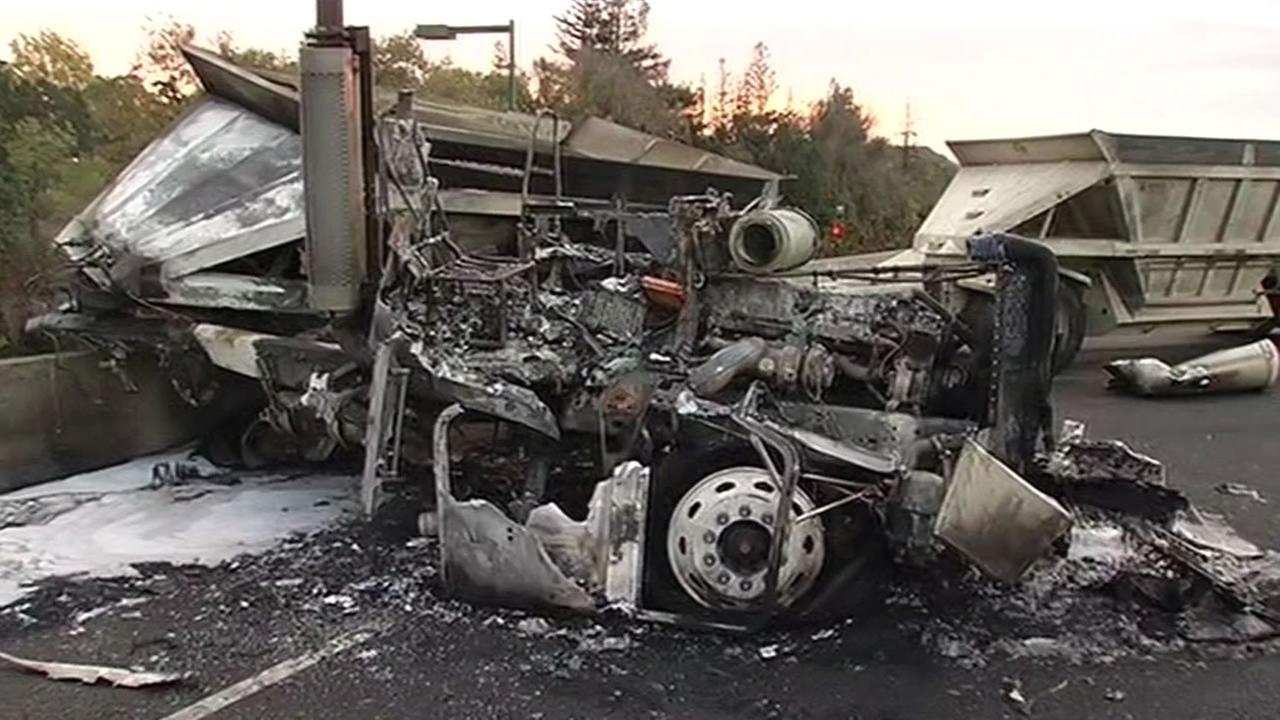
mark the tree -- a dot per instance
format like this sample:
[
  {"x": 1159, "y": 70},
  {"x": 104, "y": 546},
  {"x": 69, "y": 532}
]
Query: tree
[
  {"x": 256, "y": 58},
  {"x": 838, "y": 168},
  {"x": 37, "y": 156},
  {"x": 51, "y": 58},
  {"x": 161, "y": 65},
  {"x": 611, "y": 27},
  {"x": 722, "y": 111},
  {"x": 759, "y": 82},
  {"x": 125, "y": 117},
  {"x": 400, "y": 62},
  {"x": 63, "y": 131},
  {"x": 605, "y": 68},
  {"x": 609, "y": 86}
]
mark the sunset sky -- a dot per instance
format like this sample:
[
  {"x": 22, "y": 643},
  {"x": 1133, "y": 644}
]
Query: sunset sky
[{"x": 969, "y": 69}]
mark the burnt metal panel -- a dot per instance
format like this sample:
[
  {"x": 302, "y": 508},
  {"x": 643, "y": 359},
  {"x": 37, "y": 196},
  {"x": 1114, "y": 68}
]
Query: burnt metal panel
[
  {"x": 333, "y": 170},
  {"x": 275, "y": 95},
  {"x": 1052, "y": 148},
  {"x": 236, "y": 292},
  {"x": 251, "y": 89},
  {"x": 220, "y": 183},
  {"x": 600, "y": 139},
  {"x": 1115, "y": 147},
  {"x": 1145, "y": 149},
  {"x": 996, "y": 198}
]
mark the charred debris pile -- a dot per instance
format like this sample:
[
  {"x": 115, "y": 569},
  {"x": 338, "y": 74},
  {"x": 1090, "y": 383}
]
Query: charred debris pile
[{"x": 656, "y": 409}]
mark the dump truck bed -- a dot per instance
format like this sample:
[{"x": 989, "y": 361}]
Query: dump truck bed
[{"x": 1170, "y": 229}]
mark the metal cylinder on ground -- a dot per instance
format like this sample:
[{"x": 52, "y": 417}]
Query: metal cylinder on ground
[
  {"x": 1255, "y": 366},
  {"x": 772, "y": 240}
]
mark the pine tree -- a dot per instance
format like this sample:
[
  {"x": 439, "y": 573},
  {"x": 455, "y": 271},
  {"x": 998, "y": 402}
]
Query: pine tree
[
  {"x": 759, "y": 83},
  {"x": 610, "y": 27},
  {"x": 722, "y": 97}
]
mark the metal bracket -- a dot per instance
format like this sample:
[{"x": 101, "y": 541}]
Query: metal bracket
[
  {"x": 387, "y": 393},
  {"x": 764, "y": 439}
]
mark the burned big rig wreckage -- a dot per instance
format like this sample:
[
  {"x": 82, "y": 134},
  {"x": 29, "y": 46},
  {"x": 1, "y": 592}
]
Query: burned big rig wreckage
[{"x": 603, "y": 383}]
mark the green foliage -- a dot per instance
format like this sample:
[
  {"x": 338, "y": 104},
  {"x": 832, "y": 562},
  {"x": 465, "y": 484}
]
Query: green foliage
[
  {"x": 44, "y": 130},
  {"x": 605, "y": 68},
  {"x": 63, "y": 133},
  {"x": 162, "y": 67},
  {"x": 400, "y": 61},
  {"x": 51, "y": 58},
  {"x": 125, "y": 115},
  {"x": 611, "y": 27},
  {"x": 839, "y": 170},
  {"x": 257, "y": 58},
  {"x": 610, "y": 86}
]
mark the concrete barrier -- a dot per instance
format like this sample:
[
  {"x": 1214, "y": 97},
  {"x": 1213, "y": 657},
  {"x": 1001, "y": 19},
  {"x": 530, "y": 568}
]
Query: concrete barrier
[{"x": 63, "y": 413}]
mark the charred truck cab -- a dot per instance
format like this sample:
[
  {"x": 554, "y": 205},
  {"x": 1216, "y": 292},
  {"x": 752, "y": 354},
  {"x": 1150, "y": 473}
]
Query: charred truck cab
[{"x": 601, "y": 383}]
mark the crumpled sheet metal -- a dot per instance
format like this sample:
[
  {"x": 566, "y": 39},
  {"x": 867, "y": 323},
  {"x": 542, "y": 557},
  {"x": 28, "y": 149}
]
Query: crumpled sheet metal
[
  {"x": 552, "y": 560},
  {"x": 221, "y": 183},
  {"x": 1255, "y": 366},
  {"x": 230, "y": 348},
  {"x": 995, "y": 518},
  {"x": 605, "y": 552},
  {"x": 92, "y": 674},
  {"x": 1110, "y": 475},
  {"x": 486, "y": 556},
  {"x": 498, "y": 398},
  {"x": 1079, "y": 459},
  {"x": 1245, "y": 606}
]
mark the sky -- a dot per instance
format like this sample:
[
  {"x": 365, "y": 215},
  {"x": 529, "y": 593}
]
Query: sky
[{"x": 973, "y": 69}]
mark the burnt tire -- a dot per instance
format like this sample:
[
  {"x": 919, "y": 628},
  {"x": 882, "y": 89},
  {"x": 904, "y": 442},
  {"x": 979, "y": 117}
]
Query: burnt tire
[
  {"x": 854, "y": 577},
  {"x": 1068, "y": 325}
]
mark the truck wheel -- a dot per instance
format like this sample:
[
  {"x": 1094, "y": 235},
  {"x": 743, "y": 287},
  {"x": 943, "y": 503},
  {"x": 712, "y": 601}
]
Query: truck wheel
[
  {"x": 1068, "y": 326},
  {"x": 852, "y": 576}
]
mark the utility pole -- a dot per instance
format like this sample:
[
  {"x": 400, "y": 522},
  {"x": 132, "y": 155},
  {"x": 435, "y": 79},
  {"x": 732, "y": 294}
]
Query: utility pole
[{"x": 908, "y": 132}]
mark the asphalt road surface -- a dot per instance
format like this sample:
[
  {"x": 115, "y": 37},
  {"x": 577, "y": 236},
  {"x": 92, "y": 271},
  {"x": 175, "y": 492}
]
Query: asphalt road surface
[{"x": 356, "y": 615}]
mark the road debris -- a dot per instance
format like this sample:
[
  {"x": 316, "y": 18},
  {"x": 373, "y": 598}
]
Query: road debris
[
  {"x": 1240, "y": 490},
  {"x": 1012, "y": 693},
  {"x": 93, "y": 674},
  {"x": 1251, "y": 367},
  {"x": 826, "y": 634},
  {"x": 534, "y": 626}
]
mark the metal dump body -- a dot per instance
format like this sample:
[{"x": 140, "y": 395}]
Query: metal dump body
[{"x": 1169, "y": 229}]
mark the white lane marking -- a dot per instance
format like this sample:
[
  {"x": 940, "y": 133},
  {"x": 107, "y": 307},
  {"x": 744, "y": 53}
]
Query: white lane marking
[{"x": 276, "y": 673}]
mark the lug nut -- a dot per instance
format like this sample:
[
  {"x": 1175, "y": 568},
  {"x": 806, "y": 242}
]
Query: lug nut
[
  {"x": 708, "y": 537},
  {"x": 722, "y": 519},
  {"x": 767, "y": 519},
  {"x": 709, "y": 559},
  {"x": 744, "y": 511},
  {"x": 745, "y": 585},
  {"x": 723, "y": 578}
]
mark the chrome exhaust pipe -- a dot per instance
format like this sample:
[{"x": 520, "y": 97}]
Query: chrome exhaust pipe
[{"x": 1251, "y": 367}]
